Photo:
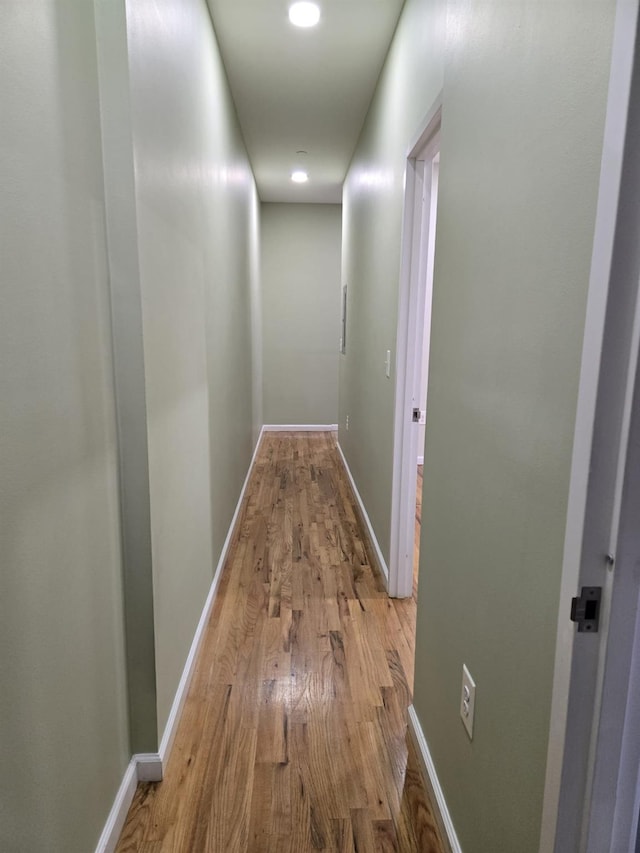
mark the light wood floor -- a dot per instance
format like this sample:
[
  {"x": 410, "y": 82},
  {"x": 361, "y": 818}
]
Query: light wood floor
[{"x": 293, "y": 736}]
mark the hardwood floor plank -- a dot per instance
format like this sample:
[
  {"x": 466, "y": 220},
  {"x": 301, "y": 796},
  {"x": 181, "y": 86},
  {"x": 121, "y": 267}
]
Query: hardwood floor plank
[
  {"x": 293, "y": 735},
  {"x": 229, "y": 808},
  {"x": 342, "y": 836},
  {"x": 273, "y": 737},
  {"x": 136, "y": 830},
  {"x": 385, "y": 837},
  {"x": 374, "y": 761},
  {"x": 363, "y": 838}
]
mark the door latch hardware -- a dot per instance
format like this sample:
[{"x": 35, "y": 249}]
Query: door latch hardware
[
  {"x": 415, "y": 417},
  {"x": 585, "y": 610}
]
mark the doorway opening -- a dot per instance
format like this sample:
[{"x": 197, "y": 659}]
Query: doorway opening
[
  {"x": 412, "y": 354},
  {"x": 422, "y": 356}
]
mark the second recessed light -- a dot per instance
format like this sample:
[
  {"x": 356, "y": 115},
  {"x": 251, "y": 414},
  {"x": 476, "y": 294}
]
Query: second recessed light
[
  {"x": 299, "y": 177},
  {"x": 304, "y": 14}
]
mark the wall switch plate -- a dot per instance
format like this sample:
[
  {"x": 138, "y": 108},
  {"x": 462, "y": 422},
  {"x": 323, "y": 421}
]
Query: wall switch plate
[
  {"x": 387, "y": 364},
  {"x": 467, "y": 700},
  {"x": 347, "y": 422}
]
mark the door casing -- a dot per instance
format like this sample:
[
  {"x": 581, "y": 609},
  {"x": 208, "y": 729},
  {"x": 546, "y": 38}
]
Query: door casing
[{"x": 411, "y": 313}]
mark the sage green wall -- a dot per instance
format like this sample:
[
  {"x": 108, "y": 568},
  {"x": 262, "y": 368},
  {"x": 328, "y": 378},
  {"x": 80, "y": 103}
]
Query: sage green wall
[
  {"x": 129, "y": 377},
  {"x": 301, "y": 312},
  {"x": 63, "y": 713},
  {"x": 523, "y": 112},
  {"x": 372, "y": 220},
  {"x": 197, "y": 215},
  {"x": 523, "y": 120},
  {"x": 129, "y": 207}
]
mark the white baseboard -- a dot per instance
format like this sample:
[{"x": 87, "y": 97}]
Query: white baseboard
[
  {"x": 118, "y": 814},
  {"x": 382, "y": 564},
  {"x": 447, "y": 828},
  {"x": 181, "y": 693},
  {"x": 420, "y": 460},
  {"x": 300, "y": 428},
  {"x": 148, "y": 767}
]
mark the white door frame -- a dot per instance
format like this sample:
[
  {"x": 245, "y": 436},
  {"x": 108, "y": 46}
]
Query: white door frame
[
  {"x": 611, "y": 808},
  {"x": 603, "y": 414},
  {"x": 411, "y": 312}
]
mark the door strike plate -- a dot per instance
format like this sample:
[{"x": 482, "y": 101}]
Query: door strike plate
[
  {"x": 415, "y": 416},
  {"x": 585, "y": 610}
]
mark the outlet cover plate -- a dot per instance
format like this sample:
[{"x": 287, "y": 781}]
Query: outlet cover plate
[{"x": 467, "y": 700}]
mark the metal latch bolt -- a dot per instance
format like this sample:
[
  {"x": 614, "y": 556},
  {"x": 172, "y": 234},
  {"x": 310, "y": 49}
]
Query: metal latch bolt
[{"x": 585, "y": 610}]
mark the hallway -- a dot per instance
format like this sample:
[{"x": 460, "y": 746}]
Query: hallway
[
  {"x": 170, "y": 289},
  {"x": 293, "y": 736}
]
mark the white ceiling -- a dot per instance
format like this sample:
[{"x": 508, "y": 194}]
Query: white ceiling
[{"x": 302, "y": 89}]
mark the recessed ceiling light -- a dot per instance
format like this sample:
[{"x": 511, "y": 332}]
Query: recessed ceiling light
[
  {"x": 299, "y": 177},
  {"x": 304, "y": 14}
]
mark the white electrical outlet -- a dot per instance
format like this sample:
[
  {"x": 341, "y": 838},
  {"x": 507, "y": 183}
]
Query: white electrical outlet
[
  {"x": 347, "y": 424},
  {"x": 467, "y": 700}
]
